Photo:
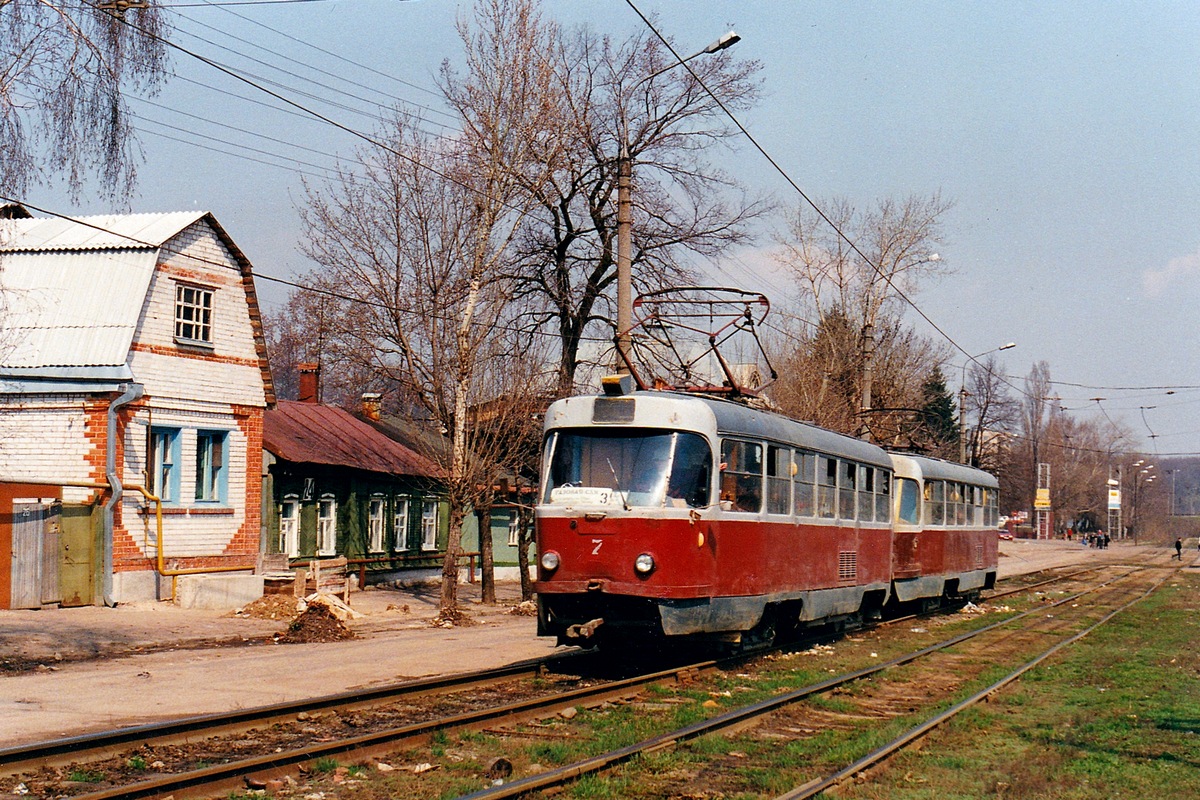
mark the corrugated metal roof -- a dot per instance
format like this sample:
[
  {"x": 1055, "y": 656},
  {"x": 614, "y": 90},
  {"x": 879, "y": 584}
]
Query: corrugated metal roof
[
  {"x": 310, "y": 433},
  {"x": 106, "y": 232},
  {"x": 73, "y": 308}
]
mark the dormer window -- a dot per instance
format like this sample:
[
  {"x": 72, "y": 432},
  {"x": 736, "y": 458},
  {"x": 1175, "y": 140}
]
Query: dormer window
[{"x": 193, "y": 314}]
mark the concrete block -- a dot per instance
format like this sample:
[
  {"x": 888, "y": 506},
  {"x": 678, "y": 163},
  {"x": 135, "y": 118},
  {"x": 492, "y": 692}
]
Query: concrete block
[{"x": 218, "y": 592}]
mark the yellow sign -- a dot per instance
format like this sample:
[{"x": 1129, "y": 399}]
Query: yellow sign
[{"x": 1041, "y": 500}]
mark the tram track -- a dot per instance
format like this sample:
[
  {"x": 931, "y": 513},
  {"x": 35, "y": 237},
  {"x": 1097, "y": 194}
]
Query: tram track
[
  {"x": 255, "y": 770},
  {"x": 754, "y": 714},
  {"x": 105, "y": 744},
  {"x": 500, "y": 720}
]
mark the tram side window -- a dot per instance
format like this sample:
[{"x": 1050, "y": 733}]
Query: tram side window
[
  {"x": 883, "y": 496},
  {"x": 974, "y": 517},
  {"x": 991, "y": 501},
  {"x": 779, "y": 480},
  {"x": 805, "y": 464},
  {"x": 846, "y": 491},
  {"x": 909, "y": 508},
  {"x": 826, "y": 487},
  {"x": 741, "y": 475},
  {"x": 866, "y": 493},
  {"x": 960, "y": 504},
  {"x": 935, "y": 502}
]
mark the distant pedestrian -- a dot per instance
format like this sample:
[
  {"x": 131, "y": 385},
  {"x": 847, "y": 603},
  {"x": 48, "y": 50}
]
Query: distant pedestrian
[{"x": 1179, "y": 548}]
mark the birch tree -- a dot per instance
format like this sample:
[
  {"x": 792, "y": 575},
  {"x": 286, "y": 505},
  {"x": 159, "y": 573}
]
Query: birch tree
[
  {"x": 418, "y": 240},
  {"x": 65, "y": 69}
]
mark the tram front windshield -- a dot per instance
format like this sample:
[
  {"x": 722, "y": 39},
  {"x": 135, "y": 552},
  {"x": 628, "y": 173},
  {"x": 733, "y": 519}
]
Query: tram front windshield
[{"x": 634, "y": 468}]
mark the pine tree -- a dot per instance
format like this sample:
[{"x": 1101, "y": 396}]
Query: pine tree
[{"x": 938, "y": 428}]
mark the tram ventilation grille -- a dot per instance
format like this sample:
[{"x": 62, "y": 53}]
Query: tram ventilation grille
[
  {"x": 848, "y": 566},
  {"x": 979, "y": 556}
]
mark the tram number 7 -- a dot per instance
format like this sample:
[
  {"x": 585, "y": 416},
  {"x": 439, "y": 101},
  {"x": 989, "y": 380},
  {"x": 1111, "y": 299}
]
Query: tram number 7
[{"x": 599, "y": 543}]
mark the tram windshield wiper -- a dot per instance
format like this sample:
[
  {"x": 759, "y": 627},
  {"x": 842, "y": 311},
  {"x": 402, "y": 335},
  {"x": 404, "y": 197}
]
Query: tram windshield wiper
[{"x": 617, "y": 484}]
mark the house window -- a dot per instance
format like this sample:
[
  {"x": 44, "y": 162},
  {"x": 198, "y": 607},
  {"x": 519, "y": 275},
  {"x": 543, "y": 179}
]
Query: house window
[
  {"x": 163, "y": 463},
  {"x": 211, "y": 466},
  {"x": 327, "y": 525},
  {"x": 193, "y": 313},
  {"x": 401, "y": 517},
  {"x": 375, "y": 525},
  {"x": 429, "y": 525},
  {"x": 289, "y": 526}
]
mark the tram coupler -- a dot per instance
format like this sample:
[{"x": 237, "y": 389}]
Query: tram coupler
[{"x": 585, "y": 631}]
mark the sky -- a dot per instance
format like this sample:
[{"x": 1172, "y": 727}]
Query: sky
[{"x": 1064, "y": 133}]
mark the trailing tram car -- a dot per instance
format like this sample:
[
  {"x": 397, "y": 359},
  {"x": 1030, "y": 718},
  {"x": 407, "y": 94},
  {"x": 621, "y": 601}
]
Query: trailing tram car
[
  {"x": 946, "y": 530},
  {"x": 676, "y": 516}
]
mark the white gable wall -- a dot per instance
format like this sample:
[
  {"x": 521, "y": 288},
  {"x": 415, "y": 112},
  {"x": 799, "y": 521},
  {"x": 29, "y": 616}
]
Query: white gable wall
[{"x": 187, "y": 389}]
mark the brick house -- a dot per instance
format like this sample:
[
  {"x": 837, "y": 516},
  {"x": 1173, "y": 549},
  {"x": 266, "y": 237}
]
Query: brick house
[{"x": 133, "y": 382}]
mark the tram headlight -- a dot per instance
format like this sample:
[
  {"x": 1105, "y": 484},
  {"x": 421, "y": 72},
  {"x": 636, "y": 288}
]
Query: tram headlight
[
  {"x": 550, "y": 561},
  {"x": 644, "y": 564}
]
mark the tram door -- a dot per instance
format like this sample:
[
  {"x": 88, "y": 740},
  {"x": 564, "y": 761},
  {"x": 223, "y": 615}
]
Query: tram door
[
  {"x": 906, "y": 555},
  {"x": 36, "y": 529}
]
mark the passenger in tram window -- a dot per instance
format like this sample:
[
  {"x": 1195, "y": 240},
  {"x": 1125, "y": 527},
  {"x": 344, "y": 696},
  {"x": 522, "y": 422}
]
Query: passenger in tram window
[{"x": 749, "y": 493}]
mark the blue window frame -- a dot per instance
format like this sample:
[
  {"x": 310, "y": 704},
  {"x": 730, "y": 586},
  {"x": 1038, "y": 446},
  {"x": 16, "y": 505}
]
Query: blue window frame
[
  {"x": 163, "y": 465},
  {"x": 212, "y": 466}
]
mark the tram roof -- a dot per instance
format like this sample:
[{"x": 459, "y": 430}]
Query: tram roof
[
  {"x": 939, "y": 469},
  {"x": 740, "y": 420}
]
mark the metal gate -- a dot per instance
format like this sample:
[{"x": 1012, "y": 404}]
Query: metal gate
[{"x": 35, "y": 556}]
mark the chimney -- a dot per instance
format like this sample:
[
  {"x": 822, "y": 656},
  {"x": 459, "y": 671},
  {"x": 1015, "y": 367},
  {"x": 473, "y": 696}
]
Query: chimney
[
  {"x": 310, "y": 383},
  {"x": 372, "y": 405}
]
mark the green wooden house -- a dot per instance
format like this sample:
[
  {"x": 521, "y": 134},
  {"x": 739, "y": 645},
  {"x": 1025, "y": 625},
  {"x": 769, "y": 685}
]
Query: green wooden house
[{"x": 340, "y": 487}]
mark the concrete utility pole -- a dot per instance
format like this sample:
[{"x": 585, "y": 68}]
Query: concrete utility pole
[
  {"x": 868, "y": 378},
  {"x": 625, "y": 213}
]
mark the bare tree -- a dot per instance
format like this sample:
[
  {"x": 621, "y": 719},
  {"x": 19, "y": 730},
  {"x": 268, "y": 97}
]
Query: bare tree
[
  {"x": 859, "y": 288},
  {"x": 995, "y": 414},
  {"x": 306, "y": 330},
  {"x": 606, "y": 93},
  {"x": 1079, "y": 453},
  {"x": 64, "y": 72},
  {"x": 419, "y": 241},
  {"x": 506, "y": 431}
]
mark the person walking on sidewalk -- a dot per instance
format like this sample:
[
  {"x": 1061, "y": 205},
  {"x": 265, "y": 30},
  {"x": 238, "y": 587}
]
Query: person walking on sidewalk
[{"x": 1179, "y": 548}]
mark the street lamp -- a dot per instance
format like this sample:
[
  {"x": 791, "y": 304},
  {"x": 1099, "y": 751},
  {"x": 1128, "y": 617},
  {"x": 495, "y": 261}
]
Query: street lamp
[
  {"x": 1140, "y": 482},
  {"x": 962, "y": 399},
  {"x": 625, "y": 212}
]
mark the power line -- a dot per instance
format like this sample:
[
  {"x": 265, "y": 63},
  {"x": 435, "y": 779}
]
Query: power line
[
  {"x": 332, "y": 54},
  {"x": 784, "y": 174},
  {"x": 318, "y": 115},
  {"x": 282, "y": 281},
  {"x": 389, "y": 97}
]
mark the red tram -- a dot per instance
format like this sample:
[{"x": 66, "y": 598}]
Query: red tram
[{"x": 678, "y": 516}]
